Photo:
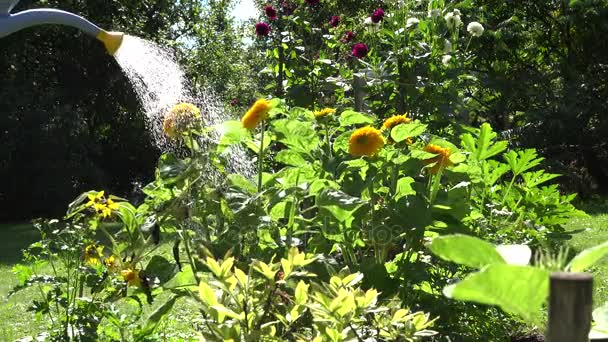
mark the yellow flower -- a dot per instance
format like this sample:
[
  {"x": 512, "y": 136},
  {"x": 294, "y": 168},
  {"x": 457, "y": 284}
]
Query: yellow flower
[
  {"x": 94, "y": 198},
  {"x": 92, "y": 254},
  {"x": 180, "y": 118},
  {"x": 440, "y": 161},
  {"x": 112, "y": 205},
  {"x": 110, "y": 262},
  {"x": 366, "y": 141},
  {"x": 131, "y": 276},
  {"x": 324, "y": 112},
  {"x": 257, "y": 112},
  {"x": 394, "y": 121}
]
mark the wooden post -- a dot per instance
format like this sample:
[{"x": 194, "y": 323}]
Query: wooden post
[
  {"x": 359, "y": 90},
  {"x": 570, "y": 305}
]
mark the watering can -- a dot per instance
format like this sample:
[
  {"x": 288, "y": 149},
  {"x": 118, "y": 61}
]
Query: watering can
[{"x": 11, "y": 23}]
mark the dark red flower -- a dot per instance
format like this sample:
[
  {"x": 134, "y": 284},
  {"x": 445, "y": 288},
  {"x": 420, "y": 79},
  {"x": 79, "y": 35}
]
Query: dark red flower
[
  {"x": 312, "y": 2},
  {"x": 335, "y": 21},
  {"x": 360, "y": 50},
  {"x": 270, "y": 12},
  {"x": 234, "y": 102},
  {"x": 262, "y": 29},
  {"x": 378, "y": 15},
  {"x": 348, "y": 37}
]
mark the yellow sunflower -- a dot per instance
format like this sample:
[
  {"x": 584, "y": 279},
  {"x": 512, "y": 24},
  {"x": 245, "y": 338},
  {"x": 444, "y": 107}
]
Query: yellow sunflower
[
  {"x": 257, "y": 113},
  {"x": 440, "y": 161},
  {"x": 131, "y": 276},
  {"x": 394, "y": 121},
  {"x": 180, "y": 118},
  {"x": 366, "y": 141},
  {"x": 324, "y": 112}
]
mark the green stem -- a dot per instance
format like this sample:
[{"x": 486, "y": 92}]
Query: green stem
[
  {"x": 189, "y": 254},
  {"x": 261, "y": 157},
  {"x": 327, "y": 140},
  {"x": 435, "y": 186}
]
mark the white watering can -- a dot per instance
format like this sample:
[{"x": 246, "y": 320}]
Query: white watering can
[{"x": 13, "y": 22}]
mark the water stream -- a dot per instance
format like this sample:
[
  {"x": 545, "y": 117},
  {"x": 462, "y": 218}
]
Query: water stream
[{"x": 160, "y": 83}]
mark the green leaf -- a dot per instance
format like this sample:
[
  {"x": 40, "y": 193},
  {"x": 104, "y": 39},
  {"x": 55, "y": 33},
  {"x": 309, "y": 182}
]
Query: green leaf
[
  {"x": 290, "y": 157},
  {"x": 350, "y": 117},
  {"x": 207, "y": 294},
  {"x": 404, "y": 187},
  {"x": 521, "y": 161},
  {"x": 518, "y": 290},
  {"x": 404, "y": 131},
  {"x": 340, "y": 205},
  {"x": 232, "y": 132},
  {"x": 483, "y": 147},
  {"x": 301, "y": 293},
  {"x": 161, "y": 268},
  {"x": 155, "y": 318},
  {"x": 587, "y": 258},
  {"x": 298, "y": 135},
  {"x": 466, "y": 250}
]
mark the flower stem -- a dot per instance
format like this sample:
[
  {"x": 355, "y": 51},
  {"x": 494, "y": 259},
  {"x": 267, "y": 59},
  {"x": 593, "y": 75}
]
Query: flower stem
[{"x": 261, "y": 157}]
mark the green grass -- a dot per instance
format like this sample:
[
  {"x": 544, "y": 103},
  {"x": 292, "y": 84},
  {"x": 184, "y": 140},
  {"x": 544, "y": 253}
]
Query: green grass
[
  {"x": 593, "y": 231},
  {"x": 15, "y": 320}
]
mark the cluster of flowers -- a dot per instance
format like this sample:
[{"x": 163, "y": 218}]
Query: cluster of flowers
[
  {"x": 102, "y": 206},
  {"x": 366, "y": 141},
  {"x": 94, "y": 256}
]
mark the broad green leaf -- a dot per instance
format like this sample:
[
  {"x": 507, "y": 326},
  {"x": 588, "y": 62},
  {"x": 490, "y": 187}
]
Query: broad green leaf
[
  {"x": 587, "y": 258},
  {"x": 518, "y": 290},
  {"x": 290, "y": 157},
  {"x": 156, "y": 316},
  {"x": 410, "y": 130},
  {"x": 161, "y": 268},
  {"x": 404, "y": 188},
  {"x": 350, "y": 117},
  {"x": 483, "y": 147},
  {"x": 232, "y": 132},
  {"x": 207, "y": 294},
  {"x": 515, "y": 254},
  {"x": 224, "y": 311},
  {"x": 301, "y": 293},
  {"x": 340, "y": 205},
  {"x": 466, "y": 250},
  {"x": 297, "y": 135}
]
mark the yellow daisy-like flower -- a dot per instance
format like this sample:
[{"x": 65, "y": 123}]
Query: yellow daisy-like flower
[
  {"x": 440, "y": 161},
  {"x": 394, "y": 121},
  {"x": 110, "y": 262},
  {"x": 366, "y": 141},
  {"x": 131, "y": 276},
  {"x": 324, "y": 112},
  {"x": 257, "y": 113},
  {"x": 181, "y": 117},
  {"x": 92, "y": 253}
]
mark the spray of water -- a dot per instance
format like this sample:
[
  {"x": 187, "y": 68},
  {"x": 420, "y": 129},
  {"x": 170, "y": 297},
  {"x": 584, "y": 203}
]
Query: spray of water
[{"x": 160, "y": 83}]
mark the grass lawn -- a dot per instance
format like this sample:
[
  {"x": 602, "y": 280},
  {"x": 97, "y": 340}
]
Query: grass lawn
[
  {"x": 16, "y": 322},
  {"x": 595, "y": 232}
]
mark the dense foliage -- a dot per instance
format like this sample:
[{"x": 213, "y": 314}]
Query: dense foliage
[{"x": 385, "y": 184}]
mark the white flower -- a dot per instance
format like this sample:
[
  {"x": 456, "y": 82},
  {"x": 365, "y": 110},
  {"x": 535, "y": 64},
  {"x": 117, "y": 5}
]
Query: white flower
[
  {"x": 475, "y": 29},
  {"x": 447, "y": 46},
  {"x": 434, "y": 13},
  {"x": 456, "y": 12},
  {"x": 446, "y": 59},
  {"x": 368, "y": 21},
  {"x": 411, "y": 22},
  {"x": 452, "y": 20}
]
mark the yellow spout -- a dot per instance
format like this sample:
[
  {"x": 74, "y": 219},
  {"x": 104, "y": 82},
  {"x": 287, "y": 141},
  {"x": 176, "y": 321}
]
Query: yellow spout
[{"x": 111, "y": 40}]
